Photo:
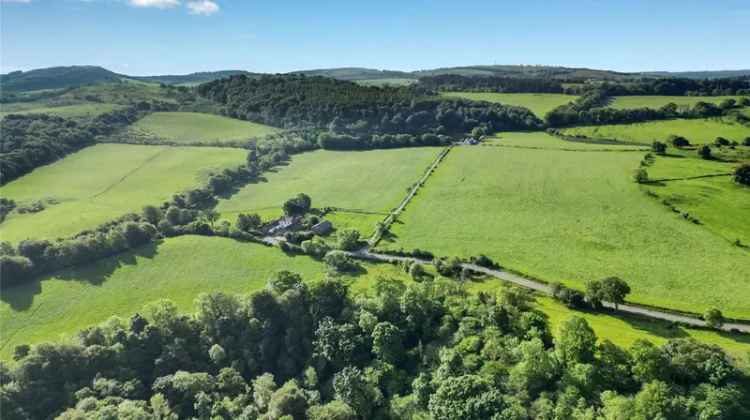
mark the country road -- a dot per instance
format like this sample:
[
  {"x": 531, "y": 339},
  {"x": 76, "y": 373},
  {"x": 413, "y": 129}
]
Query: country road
[{"x": 544, "y": 288}]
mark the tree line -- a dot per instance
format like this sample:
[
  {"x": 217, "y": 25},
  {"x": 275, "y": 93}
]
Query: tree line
[
  {"x": 313, "y": 350},
  {"x": 293, "y": 101},
  {"x": 502, "y": 84},
  {"x": 32, "y": 140}
]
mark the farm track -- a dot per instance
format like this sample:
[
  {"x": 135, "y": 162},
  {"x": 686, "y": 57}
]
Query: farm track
[
  {"x": 131, "y": 172},
  {"x": 629, "y": 308}
]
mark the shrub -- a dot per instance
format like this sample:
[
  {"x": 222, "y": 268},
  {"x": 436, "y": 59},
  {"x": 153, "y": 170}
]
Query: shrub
[
  {"x": 248, "y": 222},
  {"x": 714, "y": 318},
  {"x": 659, "y": 148},
  {"x": 315, "y": 247},
  {"x": 340, "y": 262},
  {"x": 348, "y": 240},
  {"x": 678, "y": 141},
  {"x": 746, "y": 142},
  {"x": 14, "y": 270},
  {"x": 742, "y": 174},
  {"x": 705, "y": 153},
  {"x": 640, "y": 176}
]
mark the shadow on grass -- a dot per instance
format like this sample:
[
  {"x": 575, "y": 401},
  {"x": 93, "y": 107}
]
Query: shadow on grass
[{"x": 21, "y": 297}]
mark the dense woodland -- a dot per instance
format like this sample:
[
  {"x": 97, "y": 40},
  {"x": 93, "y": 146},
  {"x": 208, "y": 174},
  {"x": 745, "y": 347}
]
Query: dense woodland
[
  {"x": 353, "y": 110},
  {"x": 296, "y": 350},
  {"x": 453, "y": 82}
]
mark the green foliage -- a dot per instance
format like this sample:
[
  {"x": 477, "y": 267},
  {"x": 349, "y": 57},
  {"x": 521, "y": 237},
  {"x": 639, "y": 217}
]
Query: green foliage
[
  {"x": 348, "y": 240},
  {"x": 742, "y": 174},
  {"x": 714, "y": 318},
  {"x": 194, "y": 127},
  {"x": 539, "y": 103}
]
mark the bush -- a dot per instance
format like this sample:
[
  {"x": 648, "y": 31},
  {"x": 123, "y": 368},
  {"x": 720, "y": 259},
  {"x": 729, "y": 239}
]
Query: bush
[
  {"x": 714, "y": 318},
  {"x": 705, "y": 153},
  {"x": 315, "y": 247},
  {"x": 721, "y": 141},
  {"x": 340, "y": 262},
  {"x": 248, "y": 222},
  {"x": 678, "y": 141},
  {"x": 14, "y": 270},
  {"x": 659, "y": 148},
  {"x": 640, "y": 176},
  {"x": 746, "y": 142},
  {"x": 742, "y": 174},
  {"x": 348, "y": 240}
]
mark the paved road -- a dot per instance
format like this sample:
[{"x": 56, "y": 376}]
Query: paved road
[{"x": 544, "y": 288}]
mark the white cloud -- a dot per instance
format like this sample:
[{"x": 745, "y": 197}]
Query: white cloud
[
  {"x": 202, "y": 7},
  {"x": 161, "y": 4}
]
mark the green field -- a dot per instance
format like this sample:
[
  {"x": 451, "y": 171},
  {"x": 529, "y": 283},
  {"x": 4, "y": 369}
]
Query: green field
[
  {"x": 178, "y": 269},
  {"x": 698, "y": 131},
  {"x": 625, "y": 102},
  {"x": 372, "y": 181},
  {"x": 539, "y": 103},
  {"x": 81, "y": 110},
  {"x": 573, "y": 217},
  {"x": 186, "y": 127},
  {"x": 542, "y": 140},
  {"x": 105, "y": 181},
  {"x": 387, "y": 82}
]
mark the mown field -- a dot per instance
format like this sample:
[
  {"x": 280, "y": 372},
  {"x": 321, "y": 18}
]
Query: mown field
[
  {"x": 181, "y": 268},
  {"x": 186, "y": 127},
  {"x": 539, "y": 103},
  {"x": 371, "y": 182},
  {"x": 542, "y": 140},
  {"x": 69, "y": 111},
  {"x": 698, "y": 131},
  {"x": 625, "y": 102},
  {"x": 105, "y": 181},
  {"x": 573, "y": 217}
]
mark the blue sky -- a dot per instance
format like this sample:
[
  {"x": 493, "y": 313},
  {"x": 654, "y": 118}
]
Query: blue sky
[{"x": 141, "y": 37}]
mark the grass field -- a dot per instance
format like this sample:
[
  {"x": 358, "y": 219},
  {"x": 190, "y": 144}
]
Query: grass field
[
  {"x": 70, "y": 111},
  {"x": 573, "y": 217},
  {"x": 539, "y": 103},
  {"x": 105, "y": 181},
  {"x": 197, "y": 127},
  {"x": 625, "y": 102},
  {"x": 373, "y": 181},
  {"x": 178, "y": 269},
  {"x": 698, "y": 131},
  {"x": 542, "y": 140}
]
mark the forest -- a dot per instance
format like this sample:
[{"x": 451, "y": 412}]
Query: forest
[{"x": 296, "y": 350}]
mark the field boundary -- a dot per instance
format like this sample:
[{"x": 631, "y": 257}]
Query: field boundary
[
  {"x": 732, "y": 325},
  {"x": 393, "y": 214},
  {"x": 131, "y": 172},
  {"x": 509, "y": 146}
]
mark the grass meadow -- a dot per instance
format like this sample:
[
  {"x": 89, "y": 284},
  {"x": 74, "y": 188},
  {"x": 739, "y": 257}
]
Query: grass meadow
[
  {"x": 626, "y": 102},
  {"x": 542, "y": 140},
  {"x": 698, "y": 131},
  {"x": 539, "y": 103},
  {"x": 372, "y": 182},
  {"x": 68, "y": 111},
  {"x": 105, "y": 181},
  {"x": 197, "y": 127},
  {"x": 573, "y": 217}
]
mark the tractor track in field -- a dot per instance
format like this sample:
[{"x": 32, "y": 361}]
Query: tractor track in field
[{"x": 131, "y": 172}]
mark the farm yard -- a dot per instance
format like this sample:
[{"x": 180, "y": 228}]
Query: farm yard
[
  {"x": 538, "y": 103},
  {"x": 517, "y": 207},
  {"x": 370, "y": 183},
  {"x": 103, "y": 182},
  {"x": 697, "y": 131},
  {"x": 187, "y": 127}
]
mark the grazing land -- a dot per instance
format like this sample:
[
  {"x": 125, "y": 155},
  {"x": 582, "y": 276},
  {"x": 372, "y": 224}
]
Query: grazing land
[
  {"x": 105, "y": 181},
  {"x": 538, "y": 103},
  {"x": 70, "y": 111},
  {"x": 372, "y": 182},
  {"x": 698, "y": 131},
  {"x": 573, "y": 217},
  {"x": 178, "y": 269},
  {"x": 196, "y": 127},
  {"x": 542, "y": 140},
  {"x": 627, "y": 102}
]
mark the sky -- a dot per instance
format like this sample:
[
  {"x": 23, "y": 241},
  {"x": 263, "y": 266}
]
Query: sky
[{"x": 146, "y": 37}]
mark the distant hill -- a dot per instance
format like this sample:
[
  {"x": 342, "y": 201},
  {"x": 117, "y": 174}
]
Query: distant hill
[
  {"x": 357, "y": 73},
  {"x": 529, "y": 71},
  {"x": 192, "y": 78},
  {"x": 709, "y": 74},
  {"x": 55, "y": 78}
]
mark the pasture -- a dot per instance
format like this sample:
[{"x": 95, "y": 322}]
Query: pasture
[
  {"x": 697, "y": 131},
  {"x": 186, "y": 127},
  {"x": 646, "y": 101},
  {"x": 542, "y": 140},
  {"x": 369, "y": 182},
  {"x": 68, "y": 111},
  {"x": 105, "y": 181},
  {"x": 539, "y": 103},
  {"x": 177, "y": 269},
  {"x": 573, "y": 217}
]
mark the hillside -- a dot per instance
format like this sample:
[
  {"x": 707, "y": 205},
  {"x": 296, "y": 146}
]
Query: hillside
[
  {"x": 357, "y": 73},
  {"x": 55, "y": 78},
  {"x": 191, "y": 78}
]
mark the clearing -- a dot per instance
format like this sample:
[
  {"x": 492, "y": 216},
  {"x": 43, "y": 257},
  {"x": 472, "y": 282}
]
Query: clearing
[
  {"x": 105, "y": 181},
  {"x": 573, "y": 217},
  {"x": 539, "y": 103},
  {"x": 698, "y": 131},
  {"x": 368, "y": 183},
  {"x": 186, "y": 127}
]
